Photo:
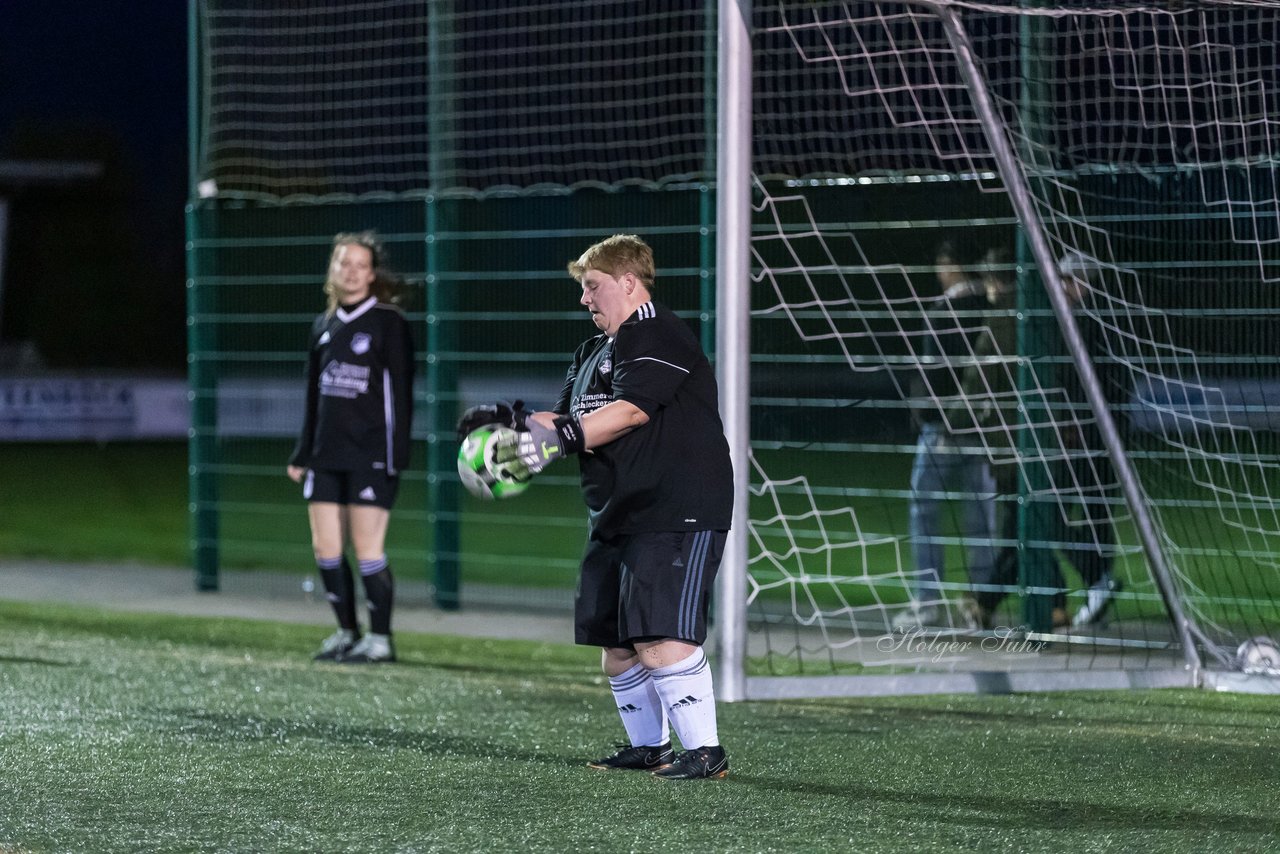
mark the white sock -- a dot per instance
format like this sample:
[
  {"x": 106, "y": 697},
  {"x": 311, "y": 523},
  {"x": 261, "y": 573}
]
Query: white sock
[
  {"x": 643, "y": 714},
  {"x": 690, "y": 699}
]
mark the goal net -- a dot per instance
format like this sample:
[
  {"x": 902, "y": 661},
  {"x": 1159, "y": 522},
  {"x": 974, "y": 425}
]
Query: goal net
[
  {"x": 398, "y": 98},
  {"x": 935, "y": 499}
]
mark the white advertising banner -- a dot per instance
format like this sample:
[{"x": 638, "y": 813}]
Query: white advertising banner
[
  {"x": 97, "y": 409},
  {"x": 72, "y": 408}
]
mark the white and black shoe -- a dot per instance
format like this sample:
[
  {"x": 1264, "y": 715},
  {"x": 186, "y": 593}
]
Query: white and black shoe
[
  {"x": 973, "y": 616},
  {"x": 336, "y": 645},
  {"x": 372, "y": 649},
  {"x": 916, "y": 617},
  {"x": 1098, "y": 601}
]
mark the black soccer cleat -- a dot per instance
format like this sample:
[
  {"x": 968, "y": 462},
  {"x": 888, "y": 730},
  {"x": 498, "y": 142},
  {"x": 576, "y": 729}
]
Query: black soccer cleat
[
  {"x": 701, "y": 763},
  {"x": 636, "y": 758}
]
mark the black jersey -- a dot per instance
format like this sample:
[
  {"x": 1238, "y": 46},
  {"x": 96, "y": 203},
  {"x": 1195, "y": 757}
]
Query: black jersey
[
  {"x": 359, "y": 391},
  {"x": 673, "y": 474}
]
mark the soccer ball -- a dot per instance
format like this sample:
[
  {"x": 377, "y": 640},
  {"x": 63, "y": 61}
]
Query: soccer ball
[
  {"x": 481, "y": 474},
  {"x": 1259, "y": 655}
]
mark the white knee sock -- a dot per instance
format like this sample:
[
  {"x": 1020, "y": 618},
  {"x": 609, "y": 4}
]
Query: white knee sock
[
  {"x": 643, "y": 714},
  {"x": 690, "y": 699}
]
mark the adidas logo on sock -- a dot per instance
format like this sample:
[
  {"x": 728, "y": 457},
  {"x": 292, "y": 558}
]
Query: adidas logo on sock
[
  {"x": 677, "y": 562},
  {"x": 628, "y": 709},
  {"x": 687, "y": 701},
  {"x": 367, "y": 493}
]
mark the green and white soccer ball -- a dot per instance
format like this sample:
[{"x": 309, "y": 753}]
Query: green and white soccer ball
[
  {"x": 482, "y": 475},
  {"x": 1259, "y": 655}
]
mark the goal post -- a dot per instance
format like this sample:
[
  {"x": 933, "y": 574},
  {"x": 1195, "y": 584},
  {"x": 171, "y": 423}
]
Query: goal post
[{"x": 733, "y": 328}]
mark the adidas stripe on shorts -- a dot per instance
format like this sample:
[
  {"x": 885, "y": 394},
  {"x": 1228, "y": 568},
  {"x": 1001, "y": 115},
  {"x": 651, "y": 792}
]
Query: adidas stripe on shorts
[{"x": 647, "y": 586}]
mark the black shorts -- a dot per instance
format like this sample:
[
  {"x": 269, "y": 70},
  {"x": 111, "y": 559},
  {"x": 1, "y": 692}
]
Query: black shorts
[
  {"x": 372, "y": 488},
  {"x": 647, "y": 586}
]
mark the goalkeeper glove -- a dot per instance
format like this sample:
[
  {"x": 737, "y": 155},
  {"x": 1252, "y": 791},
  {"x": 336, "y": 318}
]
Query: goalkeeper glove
[
  {"x": 514, "y": 417},
  {"x": 539, "y": 446}
]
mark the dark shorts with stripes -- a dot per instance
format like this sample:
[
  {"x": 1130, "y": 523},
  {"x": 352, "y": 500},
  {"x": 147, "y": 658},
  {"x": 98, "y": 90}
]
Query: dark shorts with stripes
[
  {"x": 647, "y": 586},
  {"x": 371, "y": 487}
]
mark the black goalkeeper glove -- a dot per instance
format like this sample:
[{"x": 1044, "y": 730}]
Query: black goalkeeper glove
[{"x": 515, "y": 417}]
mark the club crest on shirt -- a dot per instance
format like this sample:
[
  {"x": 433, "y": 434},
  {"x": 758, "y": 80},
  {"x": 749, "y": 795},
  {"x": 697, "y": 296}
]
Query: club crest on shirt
[
  {"x": 360, "y": 343},
  {"x": 606, "y": 365},
  {"x": 324, "y": 339}
]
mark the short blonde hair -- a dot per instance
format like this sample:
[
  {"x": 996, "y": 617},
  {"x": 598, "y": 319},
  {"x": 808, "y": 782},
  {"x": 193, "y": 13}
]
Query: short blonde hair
[{"x": 614, "y": 256}]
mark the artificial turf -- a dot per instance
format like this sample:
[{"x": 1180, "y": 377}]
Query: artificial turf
[{"x": 122, "y": 732}]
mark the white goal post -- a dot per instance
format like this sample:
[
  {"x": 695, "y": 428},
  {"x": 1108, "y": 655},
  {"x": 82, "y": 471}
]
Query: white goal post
[{"x": 733, "y": 301}]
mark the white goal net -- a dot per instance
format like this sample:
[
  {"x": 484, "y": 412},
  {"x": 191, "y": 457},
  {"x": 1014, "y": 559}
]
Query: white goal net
[
  {"x": 324, "y": 102},
  {"x": 934, "y": 497}
]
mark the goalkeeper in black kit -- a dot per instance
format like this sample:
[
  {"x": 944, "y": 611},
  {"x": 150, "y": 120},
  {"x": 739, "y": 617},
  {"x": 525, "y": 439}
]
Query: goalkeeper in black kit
[
  {"x": 355, "y": 441},
  {"x": 639, "y": 410}
]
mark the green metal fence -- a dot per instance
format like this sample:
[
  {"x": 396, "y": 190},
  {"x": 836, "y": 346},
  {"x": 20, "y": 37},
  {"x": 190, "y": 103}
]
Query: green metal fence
[{"x": 496, "y": 317}]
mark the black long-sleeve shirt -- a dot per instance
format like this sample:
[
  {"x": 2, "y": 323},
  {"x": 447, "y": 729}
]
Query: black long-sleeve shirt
[{"x": 359, "y": 391}]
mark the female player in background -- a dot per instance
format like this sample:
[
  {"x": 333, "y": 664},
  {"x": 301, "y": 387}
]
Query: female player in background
[{"x": 355, "y": 440}]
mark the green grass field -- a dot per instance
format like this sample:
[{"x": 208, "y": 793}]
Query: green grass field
[
  {"x": 149, "y": 733},
  {"x": 95, "y": 502},
  {"x": 129, "y": 501}
]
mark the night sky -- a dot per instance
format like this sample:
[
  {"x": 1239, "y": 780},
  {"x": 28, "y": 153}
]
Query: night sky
[{"x": 102, "y": 80}]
